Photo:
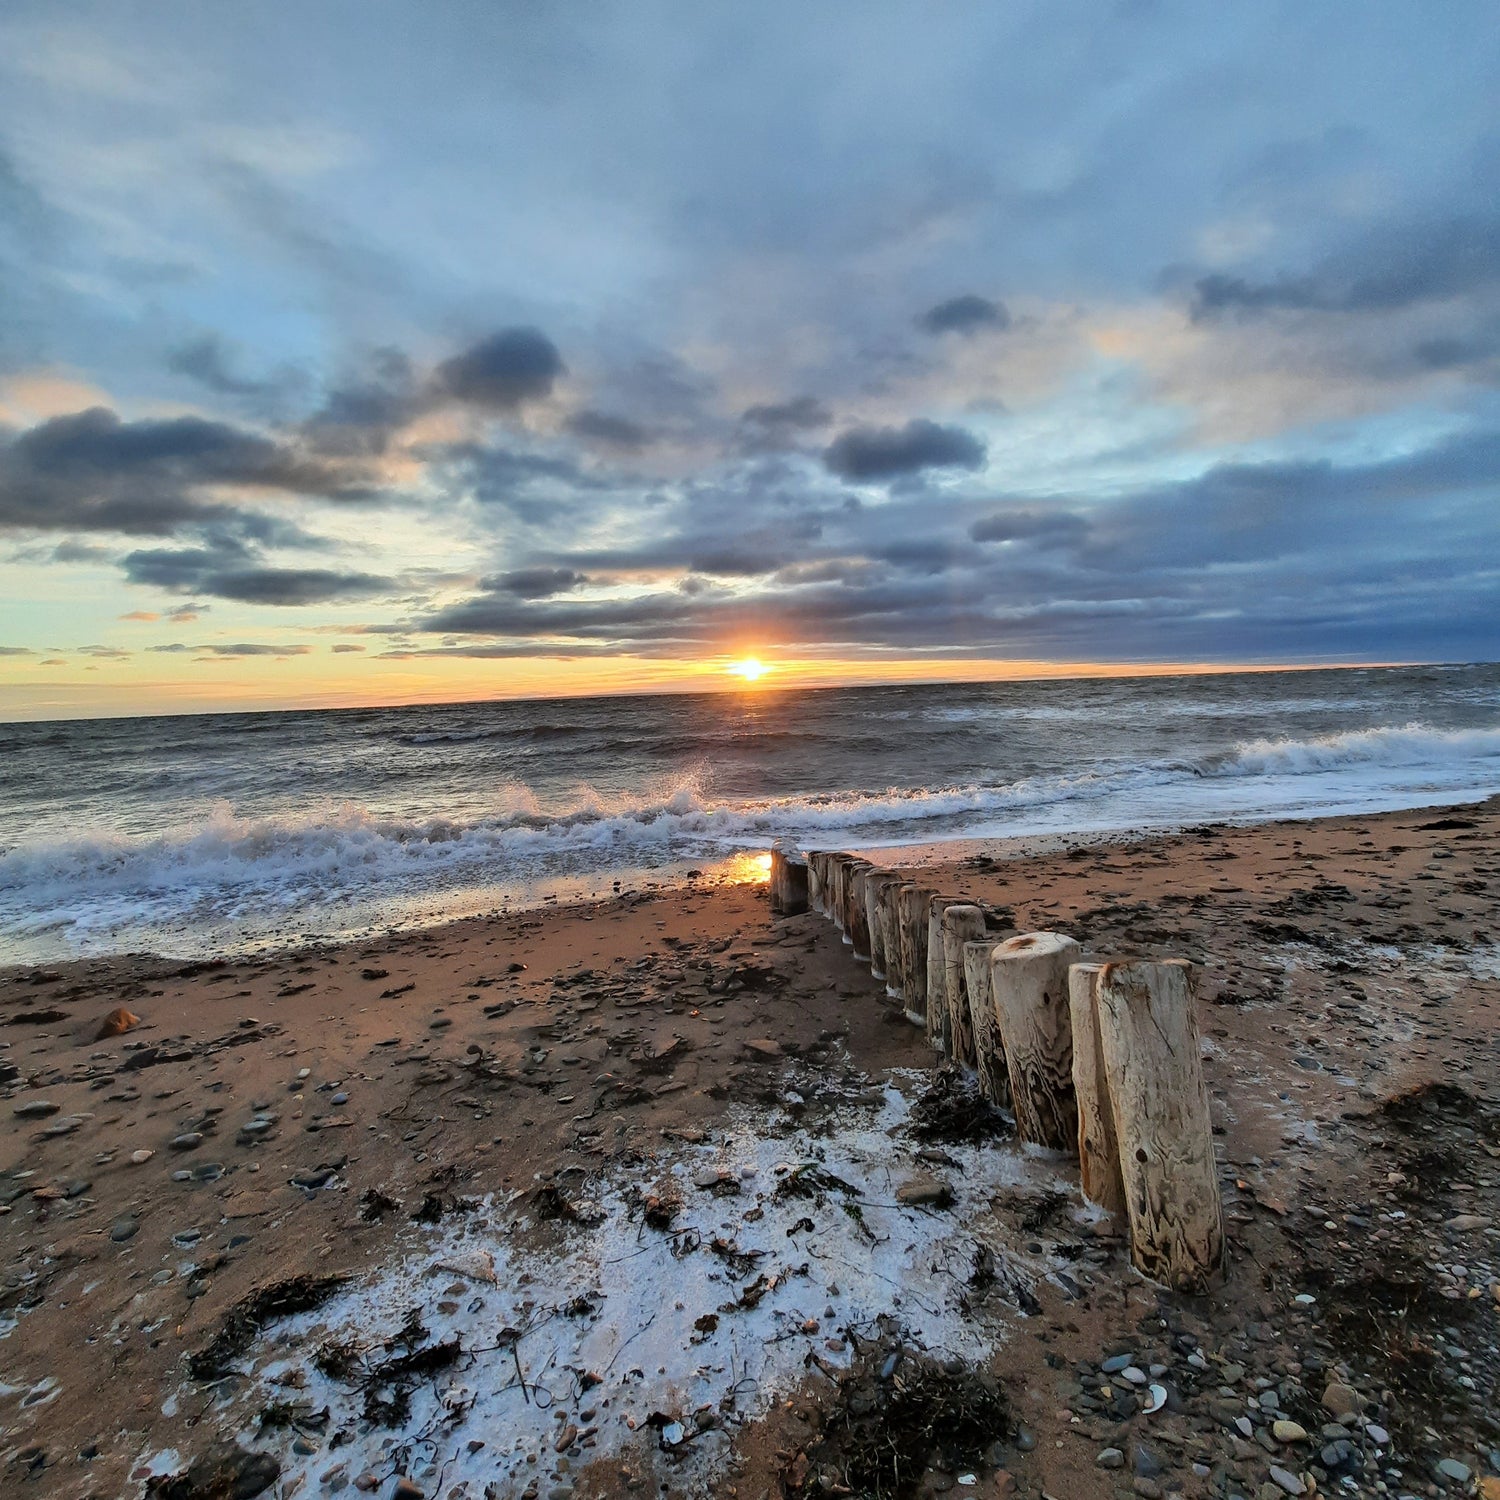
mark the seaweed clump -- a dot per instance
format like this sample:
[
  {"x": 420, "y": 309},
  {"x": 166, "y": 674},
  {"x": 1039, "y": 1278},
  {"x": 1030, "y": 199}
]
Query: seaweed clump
[
  {"x": 244, "y": 1321},
  {"x": 898, "y": 1411},
  {"x": 953, "y": 1112}
]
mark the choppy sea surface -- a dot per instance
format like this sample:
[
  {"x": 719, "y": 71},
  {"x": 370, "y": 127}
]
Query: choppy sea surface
[{"x": 231, "y": 832}]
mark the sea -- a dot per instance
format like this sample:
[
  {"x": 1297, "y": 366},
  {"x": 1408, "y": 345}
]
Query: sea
[{"x": 217, "y": 834}]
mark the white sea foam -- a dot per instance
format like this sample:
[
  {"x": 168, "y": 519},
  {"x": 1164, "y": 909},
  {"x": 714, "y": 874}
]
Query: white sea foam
[{"x": 102, "y": 889}]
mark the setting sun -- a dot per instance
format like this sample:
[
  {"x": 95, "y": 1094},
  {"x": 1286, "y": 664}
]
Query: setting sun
[{"x": 750, "y": 669}]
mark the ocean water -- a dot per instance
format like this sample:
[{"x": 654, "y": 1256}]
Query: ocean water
[{"x": 195, "y": 835}]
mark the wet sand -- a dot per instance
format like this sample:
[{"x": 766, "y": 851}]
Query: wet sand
[{"x": 544, "y": 1074}]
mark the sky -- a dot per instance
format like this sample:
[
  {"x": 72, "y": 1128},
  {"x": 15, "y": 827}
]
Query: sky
[{"x": 371, "y": 352}]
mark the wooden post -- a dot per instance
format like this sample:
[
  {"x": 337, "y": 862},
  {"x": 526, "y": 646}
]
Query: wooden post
[
  {"x": 880, "y": 939},
  {"x": 854, "y": 913},
  {"x": 815, "y": 875},
  {"x": 911, "y": 906},
  {"x": 1098, "y": 1152},
  {"x": 1029, "y": 982},
  {"x": 788, "y": 883},
  {"x": 1148, "y": 1032},
  {"x": 989, "y": 1050},
  {"x": 939, "y": 1032},
  {"x": 962, "y": 924},
  {"x": 836, "y": 868},
  {"x": 890, "y": 923}
]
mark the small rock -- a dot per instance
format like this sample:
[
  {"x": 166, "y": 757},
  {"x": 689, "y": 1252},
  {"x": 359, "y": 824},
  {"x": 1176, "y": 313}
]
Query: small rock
[
  {"x": 1111, "y": 1458},
  {"x": 1378, "y": 1435},
  {"x": 141, "y": 1157},
  {"x": 1117, "y": 1362},
  {"x": 1461, "y": 1223},
  {"x": 1288, "y": 1432},
  {"x": 925, "y": 1191},
  {"x": 1341, "y": 1400},
  {"x": 124, "y": 1229},
  {"x": 116, "y": 1023},
  {"x": 764, "y": 1046},
  {"x": 189, "y": 1140},
  {"x": 1285, "y": 1480},
  {"x": 35, "y": 1109},
  {"x": 1451, "y": 1469}
]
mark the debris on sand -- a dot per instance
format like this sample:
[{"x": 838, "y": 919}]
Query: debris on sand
[
  {"x": 282, "y": 1299},
  {"x": 953, "y": 1111},
  {"x": 897, "y": 1411},
  {"x": 225, "y": 1472}
]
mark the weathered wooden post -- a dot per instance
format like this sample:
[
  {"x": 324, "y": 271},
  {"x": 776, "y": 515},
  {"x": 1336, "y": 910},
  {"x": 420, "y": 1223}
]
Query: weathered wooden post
[
  {"x": 1029, "y": 983},
  {"x": 989, "y": 1049},
  {"x": 854, "y": 915},
  {"x": 912, "y": 910},
  {"x": 962, "y": 923},
  {"x": 1148, "y": 1032},
  {"x": 816, "y": 859},
  {"x": 788, "y": 883},
  {"x": 837, "y": 864},
  {"x": 939, "y": 1032},
  {"x": 880, "y": 939},
  {"x": 890, "y": 923},
  {"x": 1098, "y": 1152}
]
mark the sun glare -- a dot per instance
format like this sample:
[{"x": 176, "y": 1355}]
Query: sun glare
[{"x": 750, "y": 669}]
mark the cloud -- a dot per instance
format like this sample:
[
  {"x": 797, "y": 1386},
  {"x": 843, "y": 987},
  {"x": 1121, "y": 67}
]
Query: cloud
[
  {"x": 801, "y": 412},
  {"x": 1402, "y": 266},
  {"x": 16, "y": 651},
  {"x": 201, "y": 571},
  {"x": 232, "y": 651},
  {"x": 535, "y": 583},
  {"x": 144, "y": 615},
  {"x": 874, "y": 453},
  {"x": 186, "y": 614},
  {"x": 1018, "y": 524},
  {"x": 613, "y": 432},
  {"x": 92, "y": 471},
  {"x": 206, "y": 359},
  {"x": 502, "y": 372},
  {"x": 966, "y": 314},
  {"x": 344, "y": 647}
]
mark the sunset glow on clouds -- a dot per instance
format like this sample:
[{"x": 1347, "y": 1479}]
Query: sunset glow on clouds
[{"x": 349, "y": 359}]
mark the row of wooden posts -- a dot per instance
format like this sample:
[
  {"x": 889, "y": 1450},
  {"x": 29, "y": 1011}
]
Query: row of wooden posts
[{"x": 1098, "y": 1057}]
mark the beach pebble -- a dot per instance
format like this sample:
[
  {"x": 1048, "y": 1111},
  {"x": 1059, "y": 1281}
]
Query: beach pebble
[
  {"x": 1111, "y": 1458},
  {"x": 189, "y": 1140},
  {"x": 1284, "y": 1479},
  {"x": 1289, "y": 1432},
  {"x": 1341, "y": 1400},
  {"x": 924, "y": 1190},
  {"x": 1451, "y": 1469},
  {"x": 35, "y": 1109},
  {"x": 141, "y": 1157},
  {"x": 1117, "y": 1362},
  {"x": 124, "y": 1229}
]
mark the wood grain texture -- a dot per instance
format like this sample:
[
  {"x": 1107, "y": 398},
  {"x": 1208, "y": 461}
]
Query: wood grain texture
[
  {"x": 788, "y": 883},
  {"x": 1029, "y": 982},
  {"x": 912, "y": 909},
  {"x": 875, "y": 881},
  {"x": 939, "y": 1032},
  {"x": 962, "y": 923},
  {"x": 1098, "y": 1151},
  {"x": 989, "y": 1049},
  {"x": 858, "y": 927},
  {"x": 1148, "y": 1032},
  {"x": 890, "y": 921}
]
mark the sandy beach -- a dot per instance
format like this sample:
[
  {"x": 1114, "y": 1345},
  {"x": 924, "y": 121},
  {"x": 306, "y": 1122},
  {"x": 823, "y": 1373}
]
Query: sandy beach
[{"x": 630, "y": 1198}]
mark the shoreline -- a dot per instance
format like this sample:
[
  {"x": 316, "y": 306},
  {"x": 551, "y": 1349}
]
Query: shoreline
[
  {"x": 587, "y": 891},
  {"x": 567, "y": 1061}
]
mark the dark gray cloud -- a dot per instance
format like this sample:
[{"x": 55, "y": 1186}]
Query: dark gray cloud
[
  {"x": 503, "y": 371},
  {"x": 230, "y": 570},
  {"x": 253, "y": 648},
  {"x": 800, "y": 413},
  {"x": 875, "y": 453},
  {"x": 91, "y": 471},
  {"x": 614, "y": 432},
  {"x": 208, "y": 360},
  {"x": 1028, "y": 524},
  {"x": 967, "y": 314},
  {"x": 344, "y": 648},
  {"x": 1403, "y": 266},
  {"x": 535, "y": 583}
]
